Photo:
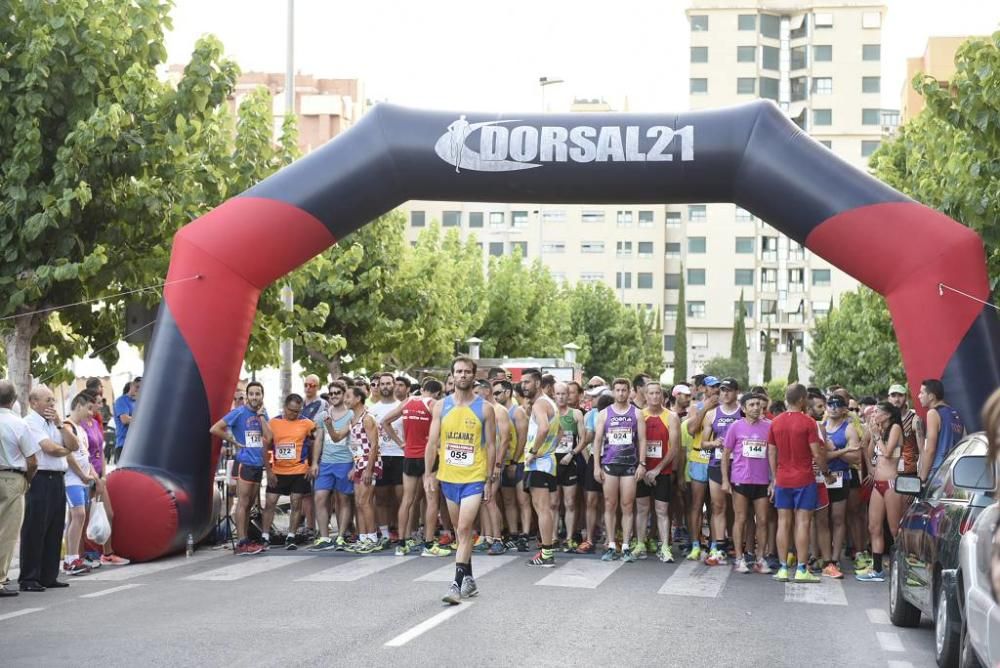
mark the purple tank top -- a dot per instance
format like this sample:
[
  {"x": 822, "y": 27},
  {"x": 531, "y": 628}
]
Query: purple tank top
[
  {"x": 621, "y": 436},
  {"x": 720, "y": 425},
  {"x": 95, "y": 444}
]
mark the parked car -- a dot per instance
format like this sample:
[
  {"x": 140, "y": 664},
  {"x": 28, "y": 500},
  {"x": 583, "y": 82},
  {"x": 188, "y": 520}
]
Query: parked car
[
  {"x": 924, "y": 578},
  {"x": 979, "y": 568}
]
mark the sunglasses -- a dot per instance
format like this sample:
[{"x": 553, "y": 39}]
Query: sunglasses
[
  {"x": 593, "y": 387},
  {"x": 498, "y": 394},
  {"x": 311, "y": 384},
  {"x": 336, "y": 392},
  {"x": 854, "y": 410}
]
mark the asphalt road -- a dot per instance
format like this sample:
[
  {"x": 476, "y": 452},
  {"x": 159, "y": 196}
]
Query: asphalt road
[{"x": 308, "y": 609}]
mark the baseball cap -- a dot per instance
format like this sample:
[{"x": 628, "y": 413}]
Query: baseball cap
[
  {"x": 596, "y": 391},
  {"x": 681, "y": 389},
  {"x": 728, "y": 384},
  {"x": 897, "y": 389},
  {"x": 835, "y": 401},
  {"x": 595, "y": 382},
  {"x": 711, "y": 381}
]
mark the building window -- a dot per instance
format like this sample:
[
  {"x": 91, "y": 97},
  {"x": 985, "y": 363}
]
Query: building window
[
  {"x": 769, "y": 88},
  {"x": 699, "y": 22},
  {"x": 699, "y": 54},
  {"x": 871, "y": 84},
  {"x": 871, "y": 52},
  {"x": 796, "y": 253},
  {"x": 746, "y": 86},
  {"x": 743, "y": 277},
  {"x": 821, "y": 278},
  {"x": 523, "y": 245},
  {"x": 644, "y": 280},
  {"x": 869, "y": 146},
  {"x": 554, "y": 247},
  {"x": 624, "y": 218},
  {"x": 746, "y": 54},
  {"x": 699, "y": 85},
  {"x": 769, "y": 57},
  {"x": 743, "y": 216},
  {"x": 871, "y": 116},
  {"x": 670, "y": 311},
  {"x": 645, "y": 249},
  {"x": 799, "y": 88},
  {"x": 769, "y": 279},
  {"x": 796, "y": 280},
  {"x": 672, "y": 281},
  {"x": 822, "y": 86},
  {"x": 745, "y": 244},
  {"x": 554, "y": 216},
  {"x": 798, "y": 55},
  {"x": 746, "y": 22},
  {"x": 822, "y": 117},
  {"x": 696, "y": 244},
  {"x": 822, "y": 53},
  {"x": 827, "y": 143},
  {"x": 591, "y": 246},
  {"x": 673, "y": 249},
  {"x": 696, "y": 277},
  {"x": 624, "y": 249},
  {"x": 871, "y": 20},
  {"x": 696, "y": 309},
  {"x": 673, "y": 218},
  {"x": 592, "y": 216},
  {"x": 747, "y": 308},
  {"x": 496, "y": 248},
  {"x": 770, "y": 26},
  {"x": 591, "y": 276},
  {"x": 623, "y": 280},
  {"x": 697, "y": 213},
  {"x": 645, "y": 219},
  {"x": 519, "y": 218},
  {"x": 821, "y": 309},
  {"x": 668, "y": 342},
  {"x": 802, "y": 30},
  {"x": 418, "y": 219},
  {"x": 475, "y": 219},
  {"x": 496, "y": 220},
  {"x": 768, "y": 308},
  {"x": 451, "y": 219},
  {"x": 699, "y": 340},
  {"x": 824, "y": 20}
]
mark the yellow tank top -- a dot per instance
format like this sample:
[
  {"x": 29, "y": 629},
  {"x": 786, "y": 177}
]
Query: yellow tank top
[
  {"x": 512, "y": 444},
  {"x": 545, "y": 458},
  {"x": 462, "y": 451}
]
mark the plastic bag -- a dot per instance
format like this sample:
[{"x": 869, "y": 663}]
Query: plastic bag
[{"x": 98, "y": 529}]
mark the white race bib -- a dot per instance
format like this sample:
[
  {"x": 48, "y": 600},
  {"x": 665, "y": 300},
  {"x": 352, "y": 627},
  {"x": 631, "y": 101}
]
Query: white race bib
[
  {"x": 253, "y": 439},
  {"x": 718, "y": 453},
  {"x": 654, "y": 449},
  {"x": 459, "y": 454},
  {"x": 543, "y": 465},
  {"x": 619, "y": 437},
  {"x": 284, "y": 451},
  {"x": 838, "y": 481},
  {"x": 565, "y": 443},
  {"x": 754, "y": 449}
]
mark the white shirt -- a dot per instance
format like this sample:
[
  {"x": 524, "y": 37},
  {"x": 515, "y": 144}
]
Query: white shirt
[
  {"x": 81, "y": 455},
  {"x": 16, "y": 443},
  {"x": 40, "y": 429},
  {"x": 386, "y": 446}
]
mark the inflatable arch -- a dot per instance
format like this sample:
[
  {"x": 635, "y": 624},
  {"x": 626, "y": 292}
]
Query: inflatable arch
[{"x": 751, "y": 155}]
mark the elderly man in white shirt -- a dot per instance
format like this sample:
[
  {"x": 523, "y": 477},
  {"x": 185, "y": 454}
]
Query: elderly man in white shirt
[
  {"x": 17, "y": 466},
  {"x": 45, "y": 511}
]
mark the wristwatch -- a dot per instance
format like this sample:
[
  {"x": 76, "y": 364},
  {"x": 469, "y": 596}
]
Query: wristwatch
[{"x": 642, "y": 464}]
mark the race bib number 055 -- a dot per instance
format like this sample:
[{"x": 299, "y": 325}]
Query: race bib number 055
[{"x": 460, "y": 454}]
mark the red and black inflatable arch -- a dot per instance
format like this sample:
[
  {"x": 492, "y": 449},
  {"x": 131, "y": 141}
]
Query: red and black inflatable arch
[{"x": 750, "y": 155}]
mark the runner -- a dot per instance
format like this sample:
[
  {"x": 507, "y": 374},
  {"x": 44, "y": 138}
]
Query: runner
[
  {"x": 287, "y": 469},
  {"x": 332, "y": 463},
  {"x": 388, "y": 488},
  {"x": 247, "y": 428},
  {"x": 523, "y": 495},
  {"x": 621, "y": 466},
  {"x": 311, "y": 407},
  {"x": 845, "y": 453},
  {"x": 569, "y": 454},
  {"x": 821, "y": 555},
  {"x": 592, "y": 489},
  {"x": 945, "y": 428},
  {"x": 513, "y": 471},
  {"x": 80, "y": 476},
  {"x": 883, "y": 445},
  {"x": 698, "y": 460},
  {"x": 681, "y": 395},
  {"x": 363, "y": 432},
  {"x": 401, "y": 391},
  {"x": 491, "y": 518},
  {"x": 716, "y": 423},
  {"x": 540, "y": 459},
  {"x": 663, "y": 435},
  {"x": 463, "y": 432}
]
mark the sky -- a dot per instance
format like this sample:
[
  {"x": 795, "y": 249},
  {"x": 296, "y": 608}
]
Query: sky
[{"x": 488, "y": 56}]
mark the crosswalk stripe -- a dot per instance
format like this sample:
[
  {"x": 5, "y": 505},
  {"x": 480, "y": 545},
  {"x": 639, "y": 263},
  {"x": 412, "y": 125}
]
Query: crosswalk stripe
[
  {"x": 112, "y": 590},
  {"x": 696, "y": 579},
  {"x": 243, "y": 568},
  {"x": 120, "y": 573},
  {"x": 889, "y": 642},
  {"x": 355, "y": 569},
  {"x": 824, "y": 592},
  {"x": 877, "y": 616},
  {"x": 581, "y": 573},
  {"x": 482, "y": 567},
  {"x": 18, "y": 613}
]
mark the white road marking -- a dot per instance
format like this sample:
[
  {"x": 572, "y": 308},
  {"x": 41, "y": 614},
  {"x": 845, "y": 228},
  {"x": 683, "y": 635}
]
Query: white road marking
[
  {"x": 581, "y": 573},
  {"x": 119, "y": 573},
  {"x": 900, "y": 664},
  {"x": 18, "y": 613},
  {"x": 889, "y": 642},
  {"x": 244, "y": 567},
  {"x": 427, "y": 625},
  {"x": 355, "y": 569},
  {"x": 824, "y": 592},
  {"x": 482, "y": 567},
  {"x": 105, "y": 592},
  {"x": 877, "y": 616},
  {"x": 696, "y": 579}
]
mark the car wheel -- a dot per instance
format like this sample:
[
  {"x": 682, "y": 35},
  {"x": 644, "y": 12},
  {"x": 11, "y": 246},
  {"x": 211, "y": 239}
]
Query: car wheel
[
  {"x": 946, "y": 640},
  {"x": 901, "y": 611},
  {"x": 966, "y": 655}
]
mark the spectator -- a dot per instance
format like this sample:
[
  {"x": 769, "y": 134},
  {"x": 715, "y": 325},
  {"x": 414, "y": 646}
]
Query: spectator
[
  {"x": 124, "y": 411},
  {"x": 17, "y": 465}
]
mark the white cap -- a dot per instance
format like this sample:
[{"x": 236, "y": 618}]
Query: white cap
[{"x": 681, "y": 389}]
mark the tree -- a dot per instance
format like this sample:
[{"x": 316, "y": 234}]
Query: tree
[
  {"x": 855, "y": 345},
  {"x": 101, "y": 163},
  {"x": 680, "y": 336},
  {"x": 767, "y": 358},
  {"x": 739, "y": 351},
  {"x": 948, "y": 157},
  {"x": 727, "y": 367},
  {"x": 776, "y": 389},
  {"x": 793, "y": 366}
]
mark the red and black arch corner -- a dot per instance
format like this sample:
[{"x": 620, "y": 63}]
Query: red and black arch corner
[{"x": 751, "y": 155}]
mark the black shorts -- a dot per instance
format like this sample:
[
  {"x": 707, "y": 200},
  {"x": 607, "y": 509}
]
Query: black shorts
[
  {"x": 855, "y": 480},
  {"x": 838, "y": 494},
  {"x": 661, "y": 491},
  {"x": 540, "y": 480},
  {"x": 511, "y": 481},
  {"x": 715, "y": 473},
  {"x": 286, "y": 485},
  {"x": 392, "y": 472},
  {"x": 752, "y": 492},
  {"x": 414, "y": 467},
  {"x": 619, "y": 470},
  {"x": 248, "y": 473},
  {"x": 590, "y": 483},
  {"x": 567, "y": 475}
]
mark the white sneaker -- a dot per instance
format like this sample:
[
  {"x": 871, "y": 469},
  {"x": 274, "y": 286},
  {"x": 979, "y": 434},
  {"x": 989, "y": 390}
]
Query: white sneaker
[{"x": 741, "y": 566}]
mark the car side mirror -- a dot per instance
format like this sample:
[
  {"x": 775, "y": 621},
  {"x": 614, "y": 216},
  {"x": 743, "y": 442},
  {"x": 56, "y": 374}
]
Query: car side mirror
[
  {"x": 908, "y": 484},
  {"x": 971, "y": 472}
]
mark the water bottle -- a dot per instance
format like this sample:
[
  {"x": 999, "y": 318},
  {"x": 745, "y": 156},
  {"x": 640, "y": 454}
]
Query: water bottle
[{"x": 190, "y": 546}]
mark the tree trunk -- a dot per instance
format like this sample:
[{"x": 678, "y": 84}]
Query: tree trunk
[
  {"x": 17, "y": 345},
  {"x": 333, "y": 365}
]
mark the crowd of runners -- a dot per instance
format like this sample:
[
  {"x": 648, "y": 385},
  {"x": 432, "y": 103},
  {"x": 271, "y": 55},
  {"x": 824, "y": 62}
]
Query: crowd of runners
[{"x": 798, "y": 487}]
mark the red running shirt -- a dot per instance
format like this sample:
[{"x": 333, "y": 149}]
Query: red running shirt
[
  {"x": 416, "y": 427},
  {"x": 792, "y": 432},
  {"x": 657, "y": 441}
]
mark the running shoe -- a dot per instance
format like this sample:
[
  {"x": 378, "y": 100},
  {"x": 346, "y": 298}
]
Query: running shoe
[
  {"x": 262, "y": 544},
  {"x": 862, "y": 560},
  {"x": 541, "y": 560},
  {"x": 290, "y": 542},
  {"x": 321, "y": 544},
  {"x": 341, "y": 544},
  {"x": 435, "y": 550},
  {"x": 815, "y": 566},
  {"x": 681, "y": 535},
  {"x": 383, "y": 543},
  {"x": 772, "y": 561},
  {"x": 762, "y": 567},
  {"x": 114, "y": 560},
  {"x": 716, "y": 557},
  {"x": 803, "y": 576},
  {"x": 481, "y": 546},
  {"x": 454, "y": 595},
  {"x": 497, "y": 548},
  {"x": 585, "y": 547},
  {"x": 870, "y": 576},
  {"x": 651, "y": 545},
  {"x": 393, "y": 535},
  {"x": 446, "y": 539},
  {"x": 791, "y": 560},
  {"x": 93, "y": 562},
  {"x": 832, "y": 571},
  {"x": 510, "y": 543},
  {"x": 782, "y": 574},
  {"x": 741, "y": 566},
  {"x": 627, "y": 556},
  {"x": 640, "y": 552},
  {"x": 469, "y": 588},
  {"x": 570, "y": 546},
  {"x": 75, "y": 567},
  {"x": 522, "y": 543},
  {"x": 402, "y": 550},
  {"x": 665, "y": 555},
  {"x": 695, "y": 553},
  {"x": 609, "y": 554}
]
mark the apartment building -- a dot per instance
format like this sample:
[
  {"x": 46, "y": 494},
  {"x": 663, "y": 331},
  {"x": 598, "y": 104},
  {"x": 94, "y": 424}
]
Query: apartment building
[{"x": 938, "y": 61}]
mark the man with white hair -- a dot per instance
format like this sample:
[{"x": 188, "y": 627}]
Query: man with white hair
[{"x": 18, "y": 463}]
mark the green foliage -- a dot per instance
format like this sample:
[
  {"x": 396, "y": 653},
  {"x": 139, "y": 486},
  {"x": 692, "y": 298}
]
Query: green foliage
[
  {"x": 739, "y": 351},
  {"x": 776, "y": 389},
  {"x": 727, "y": 367},
  {"x": 793, "y": 366},
  {"x": 948, "y": 157},
  {"x": 680, "y": 336},
  {"x": 855, "y": 345},
  {"x": 768, "y": 345}
]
